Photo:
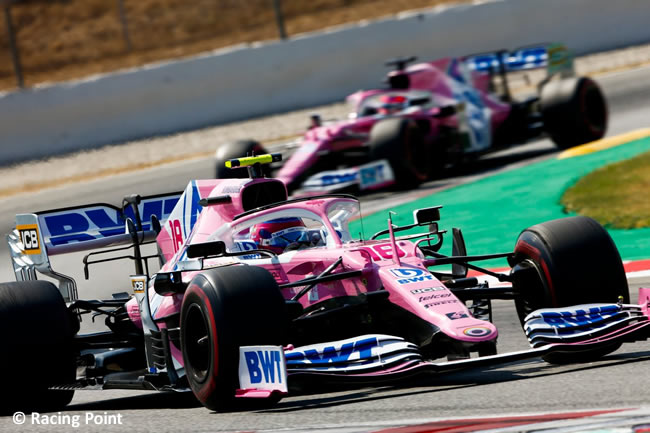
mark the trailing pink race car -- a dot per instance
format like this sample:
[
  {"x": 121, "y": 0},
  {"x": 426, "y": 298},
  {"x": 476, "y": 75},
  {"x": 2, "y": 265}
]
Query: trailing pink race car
[
  {"x": 257, "y": 292},
  {"x": 436, "y": 114}
]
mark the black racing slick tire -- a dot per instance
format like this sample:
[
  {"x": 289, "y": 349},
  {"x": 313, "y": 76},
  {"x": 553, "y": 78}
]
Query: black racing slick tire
[
  {"x": 402, "y": 143},
  {"x": 574, "y": 111},
  {"x": 223, "y": 309},
  {"x": 565, "y": 262},
  {"x": 232, "y": 150},
  {"x": 36, "y": 335}
]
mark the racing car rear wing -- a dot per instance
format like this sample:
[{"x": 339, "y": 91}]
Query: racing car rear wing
[
  {"x": 556, "y": 58},
  {"x": 81, "y": 228}
]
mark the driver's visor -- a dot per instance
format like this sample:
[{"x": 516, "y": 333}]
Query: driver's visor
[{"x": 282, "y": 238}]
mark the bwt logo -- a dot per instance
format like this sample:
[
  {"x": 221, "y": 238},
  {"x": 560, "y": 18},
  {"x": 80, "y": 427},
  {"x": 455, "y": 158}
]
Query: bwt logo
[
  {"x": 411, "y": 275},
  {"x": 333, "y": 179},
  {"x": 86, "y": 224},
  {"x": 264, "y": 365},
  {"x": 29, "y": 238},
  {"x": 333, "y": 355},
  {"x": 570, "y": 319}
]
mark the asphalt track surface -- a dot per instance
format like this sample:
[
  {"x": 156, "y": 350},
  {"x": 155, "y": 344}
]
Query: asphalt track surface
[{"x": 528, "y": 387}]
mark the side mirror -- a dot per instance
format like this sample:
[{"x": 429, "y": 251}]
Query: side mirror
[
  {"x": 458, "y": 249},
  {"x": 216, "y": 248},
  {"x": 422, "y": 217},
  {"x": 168, "y": 283},
  {"x": 155, "y": 224}
]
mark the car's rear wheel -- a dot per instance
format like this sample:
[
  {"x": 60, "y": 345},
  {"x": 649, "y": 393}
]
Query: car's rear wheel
[
  {"x": 36, "y": 335},
  {"x": 564, "y": 262},
  {"x": 401, "y": 142},
  {"x": 223, "y": 309},
  {"x": 232, "y": 150},
  {"x": 574, "y": 111}
]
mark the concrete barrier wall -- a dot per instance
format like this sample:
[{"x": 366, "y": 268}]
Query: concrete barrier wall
[{"x": 247, "y": 81}]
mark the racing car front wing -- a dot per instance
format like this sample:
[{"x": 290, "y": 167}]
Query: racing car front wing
[
  {"x": 372, "y": 358},
  {"x": 382, "y": 358}
]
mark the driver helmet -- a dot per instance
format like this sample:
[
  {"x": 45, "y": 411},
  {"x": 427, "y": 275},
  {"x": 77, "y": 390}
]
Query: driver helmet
[
  {"x": 392, "y": 104},
  {"x": 276, "y": 235}
]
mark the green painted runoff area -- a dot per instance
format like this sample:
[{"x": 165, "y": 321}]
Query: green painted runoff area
[{"x": 494, "y": 210}]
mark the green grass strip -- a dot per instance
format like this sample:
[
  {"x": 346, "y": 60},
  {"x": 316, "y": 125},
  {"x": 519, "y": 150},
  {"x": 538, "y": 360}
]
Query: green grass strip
[{"x": 616, "y": 195}]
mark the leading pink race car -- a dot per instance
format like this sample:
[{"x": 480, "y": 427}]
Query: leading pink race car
[
  {"x": 437, "y": 114},
  {"x": 257, "y": 292}
]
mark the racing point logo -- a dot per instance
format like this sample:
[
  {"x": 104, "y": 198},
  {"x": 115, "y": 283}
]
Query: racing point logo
[
  {"x": 29, "y": 238},
  {"x": 457, "y": 315}
]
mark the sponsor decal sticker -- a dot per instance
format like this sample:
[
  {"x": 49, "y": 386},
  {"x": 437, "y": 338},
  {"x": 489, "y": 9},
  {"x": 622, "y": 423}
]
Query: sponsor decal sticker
[
  {"x": 375, "y": 174},
  {"x": 138, "y": 284},
  {"x": 449, "y": 301},
  {"x": 578, "y": 317},
  {"x": 96, "y": 222},
  {"x": 426, "y": 289},
  {"x": 411, "y": 275},
  {"x": 334, "y": 354},
  {"x": 434, "y": 296},
  {"x": 457, "y": 315},
  {"x": 29, "y": 237},
  {"x": 371, "y": 176},
  {"x": 336, "y": 178},
  {"x": 262, "y": 367},
  {"x": 477, "y": 331}
]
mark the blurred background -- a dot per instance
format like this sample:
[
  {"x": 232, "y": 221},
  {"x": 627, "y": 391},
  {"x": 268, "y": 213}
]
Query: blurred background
[
  {"x": 151, "y": 130},
  {"x": 55, "y": 40}
]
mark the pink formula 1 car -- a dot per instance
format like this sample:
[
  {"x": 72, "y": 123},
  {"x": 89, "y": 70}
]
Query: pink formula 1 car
[
  {"x": 257, "y": 292},
  {"x": 433, "y": 115}
]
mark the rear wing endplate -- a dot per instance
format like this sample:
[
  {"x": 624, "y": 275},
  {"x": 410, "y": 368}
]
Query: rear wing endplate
[{"x": 60, "y": 231}]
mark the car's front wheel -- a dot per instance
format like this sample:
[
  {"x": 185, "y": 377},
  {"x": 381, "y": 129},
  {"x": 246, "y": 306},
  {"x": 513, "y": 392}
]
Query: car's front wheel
[
  {"x": 223, "y": 309},
  {"x": 565, "y": 262}
]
